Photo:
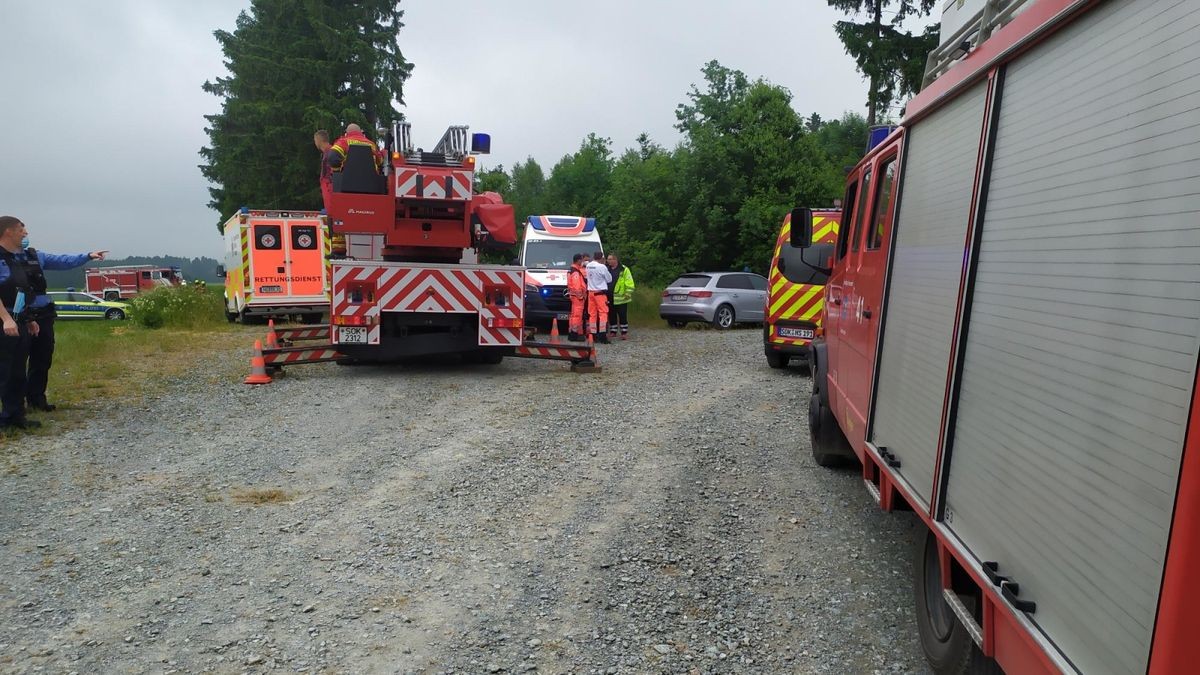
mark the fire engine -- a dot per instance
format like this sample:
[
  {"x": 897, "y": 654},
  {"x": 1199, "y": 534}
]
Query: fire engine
[
  {"x": 276, "y": 265},
  {"x": 118, "y": 283},
  {"x": 795, "y": 291},
  {"x": 403, "y": 285},
  {"x": 1012, "y": 333}
]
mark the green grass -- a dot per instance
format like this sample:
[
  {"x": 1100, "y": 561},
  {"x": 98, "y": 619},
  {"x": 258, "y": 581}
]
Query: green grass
[{"x": 643, "y": 311}]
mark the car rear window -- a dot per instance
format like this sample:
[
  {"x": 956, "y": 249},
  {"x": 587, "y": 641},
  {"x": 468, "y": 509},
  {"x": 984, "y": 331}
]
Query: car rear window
[{"x": 692, "y": 281}]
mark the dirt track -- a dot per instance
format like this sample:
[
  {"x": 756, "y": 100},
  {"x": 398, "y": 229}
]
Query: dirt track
[{"x": 663, "y": 516}]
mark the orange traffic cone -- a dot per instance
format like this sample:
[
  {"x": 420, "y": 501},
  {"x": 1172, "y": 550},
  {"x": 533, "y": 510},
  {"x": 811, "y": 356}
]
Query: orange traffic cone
[
  {"x": 554, "y": 329},
  {"x": 272, "y": 340},
  {"x": 258, "y": 367}
]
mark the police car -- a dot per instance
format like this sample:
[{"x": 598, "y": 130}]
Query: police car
[{"x": 76, "y": 305}]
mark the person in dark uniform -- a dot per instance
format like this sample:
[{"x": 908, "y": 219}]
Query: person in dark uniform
[
  {"x": 41, "y": 309},
  {"x": 28, "y": 349},
  {"x": 14, "y": 338}
]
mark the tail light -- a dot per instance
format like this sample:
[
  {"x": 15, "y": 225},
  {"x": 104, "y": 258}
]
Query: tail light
[
  {"x": 666, "y": 293},
  {"x": 699, "y": 294}
]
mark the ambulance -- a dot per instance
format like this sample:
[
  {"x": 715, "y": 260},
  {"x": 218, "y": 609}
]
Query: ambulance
[
  {"x": 549, "y": 244},
  {"x": 276, "y": 265},
  {"x": 795, "y": 290}
]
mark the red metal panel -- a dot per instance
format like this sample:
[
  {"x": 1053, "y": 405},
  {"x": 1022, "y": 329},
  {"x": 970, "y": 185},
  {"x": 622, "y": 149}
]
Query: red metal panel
[{"x": 1175, "y": 647}]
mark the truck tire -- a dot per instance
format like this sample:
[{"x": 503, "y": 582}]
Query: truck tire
[
  {"x": 947, "y": 645},
  {"x": 830, "y": 448}
]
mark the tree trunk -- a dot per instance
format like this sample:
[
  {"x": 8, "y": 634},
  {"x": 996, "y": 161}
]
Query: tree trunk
[{"x": 873, "y": 97}]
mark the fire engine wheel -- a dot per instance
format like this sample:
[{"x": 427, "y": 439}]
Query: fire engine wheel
[
  {"x": 947, "y": 645},
  {"x": 777, "y": 360},
  {"x": 114, "y": 315},
  {"x": 830, "y": 448},
  {"x": 724, "y": 317}
]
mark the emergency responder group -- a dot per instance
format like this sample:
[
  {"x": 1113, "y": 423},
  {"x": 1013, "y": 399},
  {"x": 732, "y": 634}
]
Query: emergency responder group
[
  {"x": 27, "y": 314},
  {"x": 592, "y": 287}
]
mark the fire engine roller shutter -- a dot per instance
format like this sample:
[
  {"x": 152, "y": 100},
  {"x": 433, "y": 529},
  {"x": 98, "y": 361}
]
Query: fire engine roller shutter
[
  {"x": 935, "y": 209},
  {"x": 1083, "y": 334}
]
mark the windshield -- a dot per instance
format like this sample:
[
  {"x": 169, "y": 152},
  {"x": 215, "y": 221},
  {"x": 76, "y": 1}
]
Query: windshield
[
  {"x": 691, "y": 281},
  {"x": 792, "y": 263},
  {"x": 549, "y": 254}
]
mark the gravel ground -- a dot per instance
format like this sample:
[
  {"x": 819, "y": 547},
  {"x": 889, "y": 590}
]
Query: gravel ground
[{"x": 663, "y": 516}]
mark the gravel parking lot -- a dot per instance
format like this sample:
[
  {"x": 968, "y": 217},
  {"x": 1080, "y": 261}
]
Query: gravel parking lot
[{"x": 662, "y": 516}]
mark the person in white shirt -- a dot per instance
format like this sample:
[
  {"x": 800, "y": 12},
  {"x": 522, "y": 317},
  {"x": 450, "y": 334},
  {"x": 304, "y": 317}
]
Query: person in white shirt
[{"x": 598, "y": 279}]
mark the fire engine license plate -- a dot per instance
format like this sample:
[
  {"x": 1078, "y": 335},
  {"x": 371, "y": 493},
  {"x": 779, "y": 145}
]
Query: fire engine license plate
[
  {"x": 802, "y": 333},
  {"x": 352, "y": 335},
  {"x": 561, "y": 316}
]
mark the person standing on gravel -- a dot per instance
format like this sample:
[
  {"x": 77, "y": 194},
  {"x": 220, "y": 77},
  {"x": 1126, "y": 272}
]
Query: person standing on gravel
[
  {"x": 15, "y": 330},
  {"x": 577, "y": 294},
  {"x": 41, "y": 310},
  {"x": 620, "y": 294},
  {"x": 598, "y": 280}
]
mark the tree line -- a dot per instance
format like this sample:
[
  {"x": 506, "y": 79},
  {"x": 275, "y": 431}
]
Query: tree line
[{"x": 713, "y": 201}]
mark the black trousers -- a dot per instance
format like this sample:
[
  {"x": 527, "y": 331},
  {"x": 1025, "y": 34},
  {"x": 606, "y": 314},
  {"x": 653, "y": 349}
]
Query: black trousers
[
  {"x": 41, "y": 355},
  {"x": 14, "y": 353},
  {"x": 622, "y": 318}
]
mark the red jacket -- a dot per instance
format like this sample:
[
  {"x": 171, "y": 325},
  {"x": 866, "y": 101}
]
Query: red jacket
[
  {"x": 576, "y": 284},
  {"x": 337, "y": 152}
]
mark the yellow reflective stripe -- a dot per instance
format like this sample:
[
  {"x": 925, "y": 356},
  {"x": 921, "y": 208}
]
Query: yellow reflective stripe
[
  {"x": 246, "y": 257},
  {"x": 785, "y": 298},
  {"x": 809, "y": 292},
  {"x": 820, "y": 235},
  {"x": 814, "y": 310}
]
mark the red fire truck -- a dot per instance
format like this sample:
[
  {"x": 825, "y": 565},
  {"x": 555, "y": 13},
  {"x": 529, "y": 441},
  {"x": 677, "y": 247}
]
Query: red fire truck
[
  {"x": 401, "y": 287},
  {"x": 1012, "y": 334},
  {"x": 117, "y": 283}
]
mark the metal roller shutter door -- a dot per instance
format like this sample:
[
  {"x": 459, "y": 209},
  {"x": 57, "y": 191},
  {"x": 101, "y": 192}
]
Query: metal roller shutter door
[
  {"x": 1085, "y": 325},
  {"x": 926, "y": 277}
]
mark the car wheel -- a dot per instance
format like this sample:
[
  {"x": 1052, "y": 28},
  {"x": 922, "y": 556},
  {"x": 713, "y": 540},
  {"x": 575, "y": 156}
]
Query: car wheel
[
  {"x": 676, "y": 324},
  {"x": 724, "y": 318},
  {"x": 777, "y": 360},
  {"x": 830, "y": 448},
  {"x": 114, "y": 315}
]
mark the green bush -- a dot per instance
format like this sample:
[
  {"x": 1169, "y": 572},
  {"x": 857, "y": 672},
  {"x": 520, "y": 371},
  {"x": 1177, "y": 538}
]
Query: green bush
[{"x": 178, "y": 307}]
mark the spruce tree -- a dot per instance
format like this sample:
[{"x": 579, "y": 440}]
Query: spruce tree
[{"x": 296, "y": 66}]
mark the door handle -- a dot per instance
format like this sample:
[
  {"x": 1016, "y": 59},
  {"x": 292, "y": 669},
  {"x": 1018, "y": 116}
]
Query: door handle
[
  {"x": 866, "y": 313},
  {"x": 837, "y": 301}
]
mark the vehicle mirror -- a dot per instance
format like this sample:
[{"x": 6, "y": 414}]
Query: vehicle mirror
[
  {"x": 801, "y": 227},
  {"x": 220, "y": 271},
  {"x": 95, "y": 302}
]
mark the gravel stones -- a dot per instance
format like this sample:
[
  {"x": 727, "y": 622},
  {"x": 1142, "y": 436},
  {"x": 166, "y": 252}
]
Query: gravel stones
[{"x": 662, "y": 516}]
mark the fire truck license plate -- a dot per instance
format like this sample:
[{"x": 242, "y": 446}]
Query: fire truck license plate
[
  {"x": 352, "y": 335},
  {"x": 802, "y": 333}
]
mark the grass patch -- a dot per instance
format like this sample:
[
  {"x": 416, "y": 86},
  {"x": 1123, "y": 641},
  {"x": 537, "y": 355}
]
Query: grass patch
[
  {"x": 262, "y": 496},
  {"x": 643, "y": 311}
]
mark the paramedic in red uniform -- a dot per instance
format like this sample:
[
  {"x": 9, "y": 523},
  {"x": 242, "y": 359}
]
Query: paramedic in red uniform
[
  {"x": 577, "y": 294},
  {"x": 598, "y": 279}
]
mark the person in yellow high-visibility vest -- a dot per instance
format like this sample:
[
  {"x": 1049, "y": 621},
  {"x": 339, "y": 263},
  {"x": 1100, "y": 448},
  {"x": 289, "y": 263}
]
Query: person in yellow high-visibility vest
[{"x": 620, "y": 295}]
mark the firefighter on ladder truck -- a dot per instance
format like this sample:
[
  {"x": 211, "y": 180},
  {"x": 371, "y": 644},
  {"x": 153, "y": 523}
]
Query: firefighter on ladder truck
[{"x": 1012, "y": 336}]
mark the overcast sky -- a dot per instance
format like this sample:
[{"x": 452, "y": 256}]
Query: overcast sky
[{"x": 103, "y": 111}]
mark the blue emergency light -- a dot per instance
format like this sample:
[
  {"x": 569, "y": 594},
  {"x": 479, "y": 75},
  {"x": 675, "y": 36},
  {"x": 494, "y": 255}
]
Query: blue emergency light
[
  {"x": 877, "y": 134},
  {"x": 481, "y": 143}
]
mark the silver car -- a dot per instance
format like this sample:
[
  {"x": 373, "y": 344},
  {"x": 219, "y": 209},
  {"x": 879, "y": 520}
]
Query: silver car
[{"x": 719, "y": 298}]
